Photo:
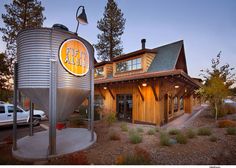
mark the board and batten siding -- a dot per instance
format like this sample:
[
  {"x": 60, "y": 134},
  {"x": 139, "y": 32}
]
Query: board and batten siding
[{"x": 147, "y": 111}]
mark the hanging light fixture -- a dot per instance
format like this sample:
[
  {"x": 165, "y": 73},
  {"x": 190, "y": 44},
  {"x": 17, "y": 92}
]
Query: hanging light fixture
[{"x": 82, "y": 18}]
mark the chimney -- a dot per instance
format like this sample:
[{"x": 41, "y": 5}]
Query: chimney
[{"x": 143, "y": 41}]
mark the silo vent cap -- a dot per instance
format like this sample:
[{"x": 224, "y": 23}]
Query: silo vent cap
[{"x": 60, "y": 26}]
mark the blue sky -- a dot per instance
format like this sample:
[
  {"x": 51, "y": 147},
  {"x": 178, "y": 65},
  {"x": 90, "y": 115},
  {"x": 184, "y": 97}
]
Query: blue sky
[{"x": 206, "y": 26}]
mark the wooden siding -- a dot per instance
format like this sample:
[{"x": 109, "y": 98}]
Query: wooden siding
[
  {"x": 147, "y": 60},
  {"x": 143, "y": 111},
  {"x": 147, "y": 110}
]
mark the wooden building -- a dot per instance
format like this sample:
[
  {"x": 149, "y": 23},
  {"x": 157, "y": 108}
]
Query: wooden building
[{"x": 146, "y": 86}]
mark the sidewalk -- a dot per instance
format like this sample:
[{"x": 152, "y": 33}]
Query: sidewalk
[{"x": 183, "y": 120}]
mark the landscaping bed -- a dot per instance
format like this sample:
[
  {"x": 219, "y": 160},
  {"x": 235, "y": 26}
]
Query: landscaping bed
[{"x": 200, "y": 142}]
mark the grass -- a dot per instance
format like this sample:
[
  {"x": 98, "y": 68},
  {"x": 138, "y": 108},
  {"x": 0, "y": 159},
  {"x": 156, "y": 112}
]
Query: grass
[
  {"x": 213, "y": 138},
  {"x": 157, "y": 129},
  {"x": 174, "y": 132},
  {"x": 139, "y": 129},
  {"x": 191, "y": 133},
  {"x": 164, "y": 139},
  {"x": 181, "y": 138},
  {"x": 111, "y": 118},
  {"x": 231, "y": 131},
  {"x": 124, "y": 127},
  {"x": 138, "y": 157},
  {"x": 151, "y": 131},
  {"x": 135, "y": 137},
  {"x": 204, "y": 131}
]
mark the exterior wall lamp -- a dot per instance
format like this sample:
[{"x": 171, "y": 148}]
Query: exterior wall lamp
[
  {"x": 176, "y": 86},
  {"x": 82, "y": 18},
  {"x": 144, "y": 84},
  {"x": 105, "y": 88}
]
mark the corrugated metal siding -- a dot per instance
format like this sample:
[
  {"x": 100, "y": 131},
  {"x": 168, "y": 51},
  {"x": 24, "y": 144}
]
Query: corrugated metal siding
[{"x": 35, "y": 47}]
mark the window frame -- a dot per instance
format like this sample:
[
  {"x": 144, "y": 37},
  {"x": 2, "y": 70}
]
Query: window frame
[{"x": 131, "y": 65}]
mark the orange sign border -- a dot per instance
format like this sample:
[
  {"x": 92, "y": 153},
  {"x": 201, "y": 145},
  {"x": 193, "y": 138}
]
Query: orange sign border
[{"x": 61, "y": 61}]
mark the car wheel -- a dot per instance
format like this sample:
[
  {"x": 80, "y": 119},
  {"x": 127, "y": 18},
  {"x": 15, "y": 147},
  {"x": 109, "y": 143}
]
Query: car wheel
[{"x": 36, "y": 122}]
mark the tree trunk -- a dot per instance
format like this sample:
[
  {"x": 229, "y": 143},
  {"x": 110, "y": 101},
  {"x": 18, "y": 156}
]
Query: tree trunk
[{"x": 216, "y": 108}]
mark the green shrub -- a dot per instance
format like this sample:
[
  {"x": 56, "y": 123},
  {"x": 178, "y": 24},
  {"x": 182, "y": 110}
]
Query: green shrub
[
  {"x": 139, "y": 129},
  {"x": 231, "y": 131},
  {"x": 124, "y": 127},
  {"x": 174, "y": 132},
  {"x": 181, "y": 138},
  {"x": 190, "y": 133},
  {"x": 204, "y": 131},
  {"x": 151, "y": 132},
  {"x": 114, "y": 136},
  {"x": 111, "y": 118},
  {"x": 164, "y": 139},
  {"x": 213, "y": 138},
  {"x": 135, "y": 138}
]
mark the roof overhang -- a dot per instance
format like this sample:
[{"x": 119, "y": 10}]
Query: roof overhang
[{"x": 143, "y": 76}]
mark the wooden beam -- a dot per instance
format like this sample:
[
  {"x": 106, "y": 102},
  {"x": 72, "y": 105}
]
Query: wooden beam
[
  {"x": 140, "y": 92},
  {"x": 154, "y": 91},
  {"x": 99, "y": 89},
  {"x": 113, "y": 97}
]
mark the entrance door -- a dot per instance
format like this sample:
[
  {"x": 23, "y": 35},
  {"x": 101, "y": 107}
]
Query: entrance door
[{"x": 124, "y": 107}]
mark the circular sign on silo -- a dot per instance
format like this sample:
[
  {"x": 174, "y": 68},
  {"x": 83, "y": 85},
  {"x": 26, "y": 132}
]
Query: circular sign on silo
[{"x": 74, "y": 57}]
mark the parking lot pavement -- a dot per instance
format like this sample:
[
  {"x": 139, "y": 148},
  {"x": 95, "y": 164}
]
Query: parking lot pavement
[{"x": 22, "y": 131}]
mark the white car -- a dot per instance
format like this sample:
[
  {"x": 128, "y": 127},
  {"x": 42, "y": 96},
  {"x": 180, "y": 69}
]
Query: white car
[
  {"x": 228, "y": 101},
  {"x": 6, "y": 115}
]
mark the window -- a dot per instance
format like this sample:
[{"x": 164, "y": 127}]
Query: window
[
  {"x": 99, "y": 72},
  {"x": 2, "y": 109},
  {"x": 129, "y": 65},
  {"x": 181, "y": 103},
  {"x": 11, "y": 109},
  {"x": 175, "y": 104},
  {"x": 170, "y": 105},
  {"x": 98, "y": 100}
]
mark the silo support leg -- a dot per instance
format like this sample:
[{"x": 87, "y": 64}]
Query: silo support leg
[{"x": 31, "y": 132}]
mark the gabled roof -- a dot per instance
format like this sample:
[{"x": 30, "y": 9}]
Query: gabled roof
[
  {"x": 167, "y": 57},
  {"x": 132, "y": 54}
]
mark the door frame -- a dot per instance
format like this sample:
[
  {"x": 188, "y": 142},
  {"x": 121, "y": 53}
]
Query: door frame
[{"x": 125, "y": 106}]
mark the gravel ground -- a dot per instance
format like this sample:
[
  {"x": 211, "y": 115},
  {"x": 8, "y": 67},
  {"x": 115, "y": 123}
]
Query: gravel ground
[{"x": 197, "y": 151}]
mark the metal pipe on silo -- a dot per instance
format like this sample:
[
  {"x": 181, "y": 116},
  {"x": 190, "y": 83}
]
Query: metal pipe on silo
[{"x": 15, "y": 107}]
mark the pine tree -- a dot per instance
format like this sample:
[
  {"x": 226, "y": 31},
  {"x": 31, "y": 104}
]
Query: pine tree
[
  {"x": 111, "y": 27},
  {"x": 5, "y": 76},
  {"x": 21, "y": 14}
]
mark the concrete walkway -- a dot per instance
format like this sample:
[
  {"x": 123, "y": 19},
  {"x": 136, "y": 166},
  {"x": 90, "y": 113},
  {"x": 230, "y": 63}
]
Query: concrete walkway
[
  {"x": 182, "y": 121},
  {"x": 69, "y": 140}
]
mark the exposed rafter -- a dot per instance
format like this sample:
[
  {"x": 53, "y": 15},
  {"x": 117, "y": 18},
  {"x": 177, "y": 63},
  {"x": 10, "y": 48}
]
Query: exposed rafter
[
  {"x": 154, "y": 91},
  {"x": 112, "y": 95},
  {"x": 140, "y": 92}
]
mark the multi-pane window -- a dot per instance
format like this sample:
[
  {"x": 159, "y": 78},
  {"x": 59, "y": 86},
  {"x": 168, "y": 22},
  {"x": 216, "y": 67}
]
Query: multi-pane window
[
  {"x": 181, "y": 103},
  {"x": 175, "y": 104},
  {"x": 99, "y": 72},
  {"x": 129, "y": 65}
]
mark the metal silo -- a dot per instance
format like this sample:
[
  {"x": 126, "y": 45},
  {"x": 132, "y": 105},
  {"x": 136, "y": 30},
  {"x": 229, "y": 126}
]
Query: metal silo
[{"x": 35, "y": 49}]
